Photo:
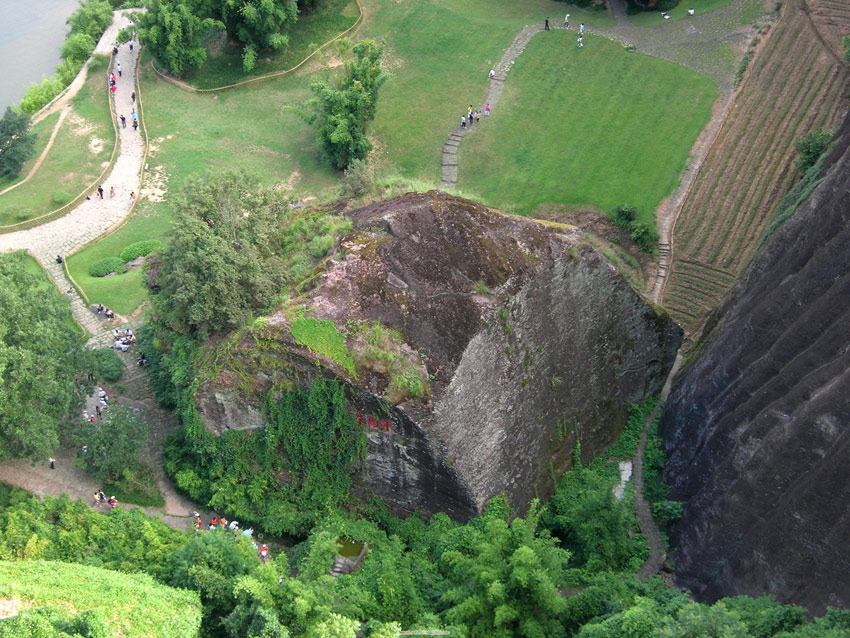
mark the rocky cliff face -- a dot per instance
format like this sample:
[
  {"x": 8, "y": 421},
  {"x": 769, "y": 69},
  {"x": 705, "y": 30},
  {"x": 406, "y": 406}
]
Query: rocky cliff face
[
  {"x": 482, "y": 345},
  {"x": 757, "y": 430}
]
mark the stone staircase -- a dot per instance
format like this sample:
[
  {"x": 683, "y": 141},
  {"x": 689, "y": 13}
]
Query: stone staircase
[{"x": 494, "y": 92}]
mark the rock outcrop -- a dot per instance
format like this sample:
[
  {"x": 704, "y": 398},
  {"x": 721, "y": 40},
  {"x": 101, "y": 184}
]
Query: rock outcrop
[
  {"x": 757, "y": 429},
  {"x": 478, "y": 347}
]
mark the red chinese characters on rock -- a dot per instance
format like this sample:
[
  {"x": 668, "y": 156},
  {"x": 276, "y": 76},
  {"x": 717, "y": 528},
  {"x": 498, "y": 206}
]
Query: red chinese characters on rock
[{"x": 372, "y": 422}]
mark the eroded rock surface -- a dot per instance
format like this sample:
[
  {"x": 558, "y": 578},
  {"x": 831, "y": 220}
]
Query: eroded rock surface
[
  {"x": 524, "y": 336},
  {"x": 757, "y": 430}
]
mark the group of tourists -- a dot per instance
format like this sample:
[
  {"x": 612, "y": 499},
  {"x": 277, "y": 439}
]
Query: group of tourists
[
  {"x": 106, "y": 312},
  {"x": 100, "y": 498},
  {"x": 123, "y": 339},
  {"x": 220, "y": 522},
  {"x": 473, "y": 116}
]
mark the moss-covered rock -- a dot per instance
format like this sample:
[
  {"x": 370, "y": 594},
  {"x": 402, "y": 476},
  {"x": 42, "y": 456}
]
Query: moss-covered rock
[{"x": 473, "y": 334}]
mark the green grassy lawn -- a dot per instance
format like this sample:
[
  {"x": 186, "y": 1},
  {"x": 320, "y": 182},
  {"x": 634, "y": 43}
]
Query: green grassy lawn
[
  {"x": 122, "y": 293},
  {"x": 42, "y": 130},
  {"x": 701, "y": 7},
  {"x": 190, "y": 133},
  {"x": 313, "y": 29},
  {"x": 439, "y": 52},
  {"x": 597, "y": 126},
  {"x": 81, "y": 148}
]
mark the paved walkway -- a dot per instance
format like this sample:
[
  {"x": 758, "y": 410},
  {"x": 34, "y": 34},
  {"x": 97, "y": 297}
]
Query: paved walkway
[{"x": 93, "y": 217}]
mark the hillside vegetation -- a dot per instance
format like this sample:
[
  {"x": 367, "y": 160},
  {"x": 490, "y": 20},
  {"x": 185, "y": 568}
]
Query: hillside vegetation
[{"x": 128, "y": 605}]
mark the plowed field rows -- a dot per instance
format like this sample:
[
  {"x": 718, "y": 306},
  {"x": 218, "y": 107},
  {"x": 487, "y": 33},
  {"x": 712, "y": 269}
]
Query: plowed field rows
[
  {"x": 797, "y": 83},
  {"x": 830, "y": 18}
]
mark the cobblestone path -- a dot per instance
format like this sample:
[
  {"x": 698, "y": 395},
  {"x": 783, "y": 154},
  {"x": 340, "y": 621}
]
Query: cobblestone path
[{"x": 92, "y": 217}]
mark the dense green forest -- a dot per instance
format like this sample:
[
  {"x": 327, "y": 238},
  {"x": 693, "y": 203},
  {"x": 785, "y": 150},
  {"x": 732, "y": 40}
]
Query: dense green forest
[{"x": 565, "y": 569}]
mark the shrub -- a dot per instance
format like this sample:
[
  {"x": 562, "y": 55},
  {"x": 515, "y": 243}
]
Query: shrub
[
  {"x": 625, "y": 216},
  {"x": 358, "y": 178},
  {"x": 104, "y": 267},
  {"x": 60, "y": 198},
  {"x": 105, "y": 364},
  {"x": 40, "y": 94},
  {"x": 645, "y": 236},
  {"x": 667, "y": 511},
  {"x": 809, "y": 148},
  {"x": 140, "y": 249}
]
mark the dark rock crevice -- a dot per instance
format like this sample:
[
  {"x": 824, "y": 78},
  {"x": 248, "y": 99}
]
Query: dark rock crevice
[{"x": 758, "y": 429}]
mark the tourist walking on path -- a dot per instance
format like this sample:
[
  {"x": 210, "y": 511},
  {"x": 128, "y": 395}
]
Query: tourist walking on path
[
  {"x": 546, "y": 24},
  {"x": 580, "y": 43},
  {"x": 487, "y": 110},
  {"x": 567, "y": 22},
  {"x": 581, "y": 29},
  {"x": 123, "y": 121},
  {"x": 100, "y": 191},
  {"x": 135, "y": 125},
  {"x": 118, "y": 66},
  {"x": 463, "y": 121},
  {"x": 111, "y": 192},
  {"x": 133, "y": 97},
  {"x": 52, "y": 463}
]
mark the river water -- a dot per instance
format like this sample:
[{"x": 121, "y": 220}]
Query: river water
[{"x": 31, "y": 36}]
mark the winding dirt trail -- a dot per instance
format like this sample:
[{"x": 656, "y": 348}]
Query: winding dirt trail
[{"x": 657, "y": 553}]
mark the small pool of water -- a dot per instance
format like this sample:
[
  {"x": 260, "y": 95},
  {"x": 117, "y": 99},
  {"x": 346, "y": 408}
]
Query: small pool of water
[{"x": 349, "y": 548}]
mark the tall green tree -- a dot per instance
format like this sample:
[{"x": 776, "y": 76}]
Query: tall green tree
[
  {"x": 17, "y": 142},
  {"x": 40, "y": 354},
  {"x": 113, "y": 444},
  {"x": 259, "y": 25},
  {"x": 340, "y": 112},
  {"x": 505, "y": 581},
  {"x": 91, "y": 17},
  {"x": 173, "y": 31},
  {"x": 223, "y": 262}
]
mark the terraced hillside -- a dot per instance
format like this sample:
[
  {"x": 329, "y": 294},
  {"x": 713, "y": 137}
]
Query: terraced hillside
[{"x": 798, "y": 82}]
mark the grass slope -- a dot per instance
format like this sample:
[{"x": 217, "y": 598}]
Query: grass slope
[
  {"x": 122, "y": 293},
  {"x": 439, "y": 52},
  {"x": 596, "y": 126},
  {"x": 700, "y": 7},
  {"x": 72, "y": 163},
  {"x": 134, "y": 604}
]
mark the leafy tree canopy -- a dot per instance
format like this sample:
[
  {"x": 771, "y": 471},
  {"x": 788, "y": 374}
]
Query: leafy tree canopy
[
  {"x": 92, "y": 17},
  {"x": 258, "y": 24},
  {"x": 340, "y": 112},
  {"x": 173, "y": 31},
  {"x": 40, "y": 355},
  {"x": 16, "y": 142},
  {"x": 223, "y": 262},
  {"x": 113, "y": 444}
]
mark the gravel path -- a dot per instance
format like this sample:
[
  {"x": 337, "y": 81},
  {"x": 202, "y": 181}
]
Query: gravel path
[{"x": 93, "y": 217}]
